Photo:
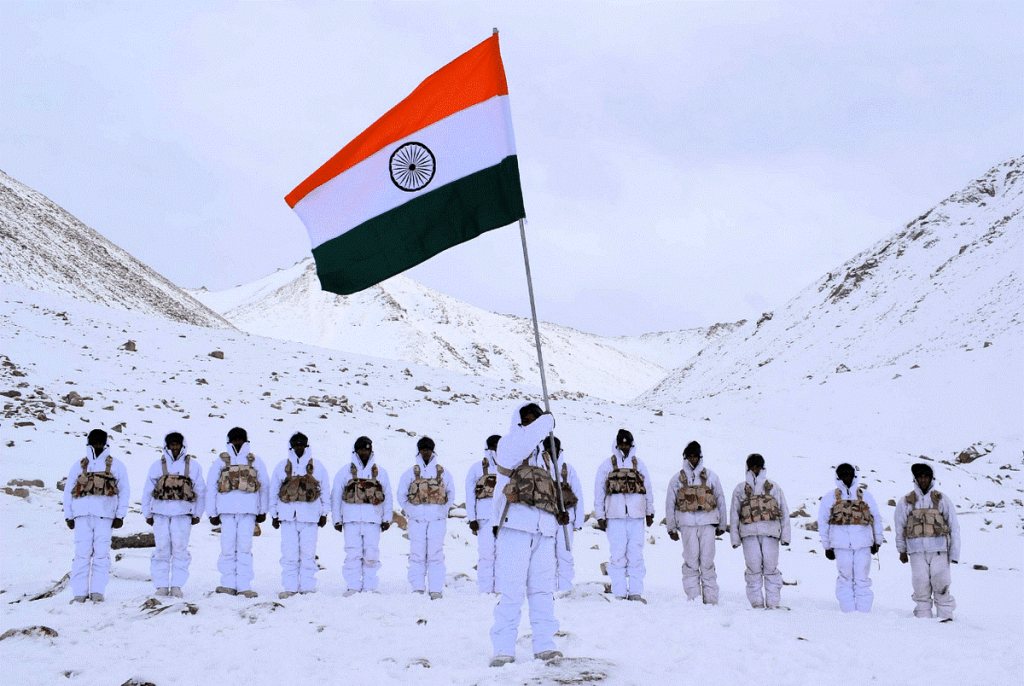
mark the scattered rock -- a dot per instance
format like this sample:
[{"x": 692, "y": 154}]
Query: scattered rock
[
  {"x": 11, "y": 394},
  {"x": 119, "y": 428},
  {"x": 842, "y": 368},
  {"x": 43, "y": 631},
  {"x": 16, "y": 492},
  {"x": 60, "y": 484},
  {"x": 981, "y": 568},
  {"x": 892, "y": 502},
  {"x": 19, "y": 425},
  {"x": 218, "y": 354},
  {"x": 129, "y": 346},
  {"x": 137, "y": 682},
  {"x": 659, "y": 413},
  {"x": 811, "y": 525},
  {"x": 202, "y": 382},
  {"x": 141, "y": 540},
  {"x": 34, "y": 483},
  {"x": 74, "y": 399},
  {"x": 423, "y": 389},
  {"x": 800, "y": 512}
]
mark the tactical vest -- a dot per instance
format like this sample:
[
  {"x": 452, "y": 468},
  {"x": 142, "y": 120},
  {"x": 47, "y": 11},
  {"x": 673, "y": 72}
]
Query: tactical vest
[
  {"x": 925, "y": 522},
  {"x": 174, "y": 486},
  {"x": 485, "y": 484},
  {"x": 696, "y": 498},
  {"x": 304, "y": 488},
  {"x": 363, "y": 491},
  {"x": 762, "y": 507},
  {"x": 850, "y": 512},
  {"x": 238, "y": 477},
  {"x": 532, "y": 486},
  {"x": 624, "y": 481},
  {"x": 427, "y": 491},
  {"x": 95, "y": 483},
  {"x": 569, "y": 498}
]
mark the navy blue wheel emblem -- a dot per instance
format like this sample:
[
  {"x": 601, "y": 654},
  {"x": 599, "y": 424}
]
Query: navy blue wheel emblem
[{"x": 412, "y": 167}]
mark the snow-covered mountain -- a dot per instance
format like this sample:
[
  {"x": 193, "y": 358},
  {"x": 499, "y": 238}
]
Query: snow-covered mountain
[
  {"x": 948, "y": 283},
  {"x": 401, "y": 319},
  {"x": 47, "y": 249}
]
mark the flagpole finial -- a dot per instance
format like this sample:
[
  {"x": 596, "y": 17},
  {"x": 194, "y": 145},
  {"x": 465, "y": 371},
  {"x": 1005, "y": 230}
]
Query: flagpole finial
[{"x": 495, "y": 31}]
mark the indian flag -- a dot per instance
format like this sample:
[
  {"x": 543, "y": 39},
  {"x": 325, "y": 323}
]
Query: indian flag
[{"x": 436, "y": 170}]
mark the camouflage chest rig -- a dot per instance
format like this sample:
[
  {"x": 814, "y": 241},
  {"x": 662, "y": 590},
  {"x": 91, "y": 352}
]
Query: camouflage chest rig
[
  {"x": 532, "y": 486},
  {"x": 850, "y": 512},
  {"x": 363, "y": 491},
  {"x": 569, "y": 498},
  {"x": 238, "y": 477},
  {"x": 624, "y": 480},
  {"x": 697, "y": 497},
  {"x": 427, "y": 491},
  {"x": 174, "y": 486},
  {"x": 484, "y": 487},
  {"x": 303, "y": 488},
  {"x": 95, "y": 483},
  {"x": 925, "y": 522},
  {"x": 759, "y": 507}
]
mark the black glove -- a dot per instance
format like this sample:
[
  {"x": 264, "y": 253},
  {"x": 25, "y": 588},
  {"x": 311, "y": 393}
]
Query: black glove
[
  {"x": 602, "y": 524},
  {"x": 149, "y": 520},
  {"x": 830, "y": 554},
  {"x": 196, "y": 520},
  {"x": 322, "y": 522},
  {"x": 339, "y": 526},
  {"x": 674, "y": 535},
  {"x": 384, "y": 526},
  {"x": 276, "y": 523},
  {"x": 874, "y": 548},
  {"x": 117, "y": 523},
  {"x": 474, "y": 526},
  {"x": 494, "y": 530},
  {"x": 261, "y": 517},
  {"x": 562, "y": 518},
  {"x": 719, "y": 532},
  {"x": 70, "y": 523},
  {"x": 215, "y": 520},
  {"x": 650, "y": 520}
]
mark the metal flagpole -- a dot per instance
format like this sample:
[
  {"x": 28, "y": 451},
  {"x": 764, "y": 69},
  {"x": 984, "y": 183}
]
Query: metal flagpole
[{"x": 543, "y": 378}]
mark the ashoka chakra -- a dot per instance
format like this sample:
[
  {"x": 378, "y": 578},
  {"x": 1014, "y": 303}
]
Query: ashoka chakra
[{"x": 412, "y": 167}]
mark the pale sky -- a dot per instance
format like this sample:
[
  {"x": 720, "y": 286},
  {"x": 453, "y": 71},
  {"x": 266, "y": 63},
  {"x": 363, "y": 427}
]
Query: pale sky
[{"x": 682, "y": 163}]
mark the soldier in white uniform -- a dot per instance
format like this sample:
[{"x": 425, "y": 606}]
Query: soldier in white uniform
[
  {"x": 480, "y": 482},
  {"x": 850, "y": 527},
  {"x": 96, "y": 496},
  {"x": 695, "y": 510},
  {"x": 760, "y": 522},
  {"x": 173, "y": 501},
  {"x": 300, "y": 500},
  {"x": 425, "y": 493},
  {"x": 361, "y": 504},
  {"x": 572, "y": 500},
  {"x": 623, "y": 504},
  {"x": 928, "y": 536},
  {"x": 237, "y": 499},
  {"x": 526, "y": 516}
]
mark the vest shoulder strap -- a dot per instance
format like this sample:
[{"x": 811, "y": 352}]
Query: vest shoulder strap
[
  {"x": 110, "y": 462},
  {"x": 251, "y": 458},
  {"x": 353, "y": 470},
  {"x": 288, "y": 468},
  {"x": 85, "y": 465},
  {"x": 839, "y": 494},
  {"x": 767, "y": 486},
  {"x": 911, "y": 498},
  {"x": 440, "y": 471},
  {"x": 704, "y": 476},
  {"x": 486, "y": 464},
  {"x": 416, "y": 470},
  {"x": 310, "y": 467},
  {"x": 636, "y": 468},
  {"x": 227, "y": 459},
  {"x": 615, "y": 462},
  {"x": 748, "y": 490},
  {"x": 163, "y": 464},
  {"x": 373, "y": 470},
  {"x": 565, "y": 472},
  {"x": 683, "y": 481},
  {"x": 936, "y": 497},
  {"x": 188, "y": 458}
]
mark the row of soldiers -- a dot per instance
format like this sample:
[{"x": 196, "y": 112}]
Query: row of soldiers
[{"x": 238, "y": 495}]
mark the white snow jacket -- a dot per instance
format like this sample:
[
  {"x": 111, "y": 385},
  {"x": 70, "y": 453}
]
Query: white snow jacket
[
  {"x": 108, "y": 507},
  {"x": 937, "y": 544},
  {"x": 300, "y": 511},
  {"x": 175, "y": 465},
  {"x": 480, "y": 509},
  {"x": 343, "y": 512},
  {"x": 848, "y": 536},
  {"x": 674, "y": 519},
  {"x": 622, "y": 505},
  {"x": 523, "y": 442},
  {"x": 777, "y": 528},
  {"x": 237, "y": 502},
  {"x": 427, "y": 512}
]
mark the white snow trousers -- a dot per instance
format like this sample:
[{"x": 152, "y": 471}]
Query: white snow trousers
[
  {"x": 92, "y": 555},
  {"x": 853, "y": 587},
  {"x": 362, "y": 555},
  {"x": 171, "y": 559},
  {"x": 699, "y": 575},
  {"x": 929, "y": 573},
  {"x": 485, "y": 557},
  {"x": 565, "y": 566},
  {"x": 626, "y": 556},
  {"x": 426, "y": 554},
  {"x": 764, "y": 580},
  {"x": 524, "y": 570},
  {"x": 298, "y": 556},
  {"x": 235, "y": 561}
]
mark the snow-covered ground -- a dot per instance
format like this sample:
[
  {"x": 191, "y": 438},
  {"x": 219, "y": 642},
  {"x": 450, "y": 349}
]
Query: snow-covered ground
[{"x": 51, "y": 346}]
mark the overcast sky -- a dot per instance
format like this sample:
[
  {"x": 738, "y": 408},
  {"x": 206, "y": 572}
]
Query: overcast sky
[{"x": 682, "y": 163}]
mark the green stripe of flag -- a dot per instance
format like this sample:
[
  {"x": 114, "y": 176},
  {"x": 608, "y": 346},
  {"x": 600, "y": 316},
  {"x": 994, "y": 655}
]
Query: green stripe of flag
[{"x": 414, "y": 232}]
